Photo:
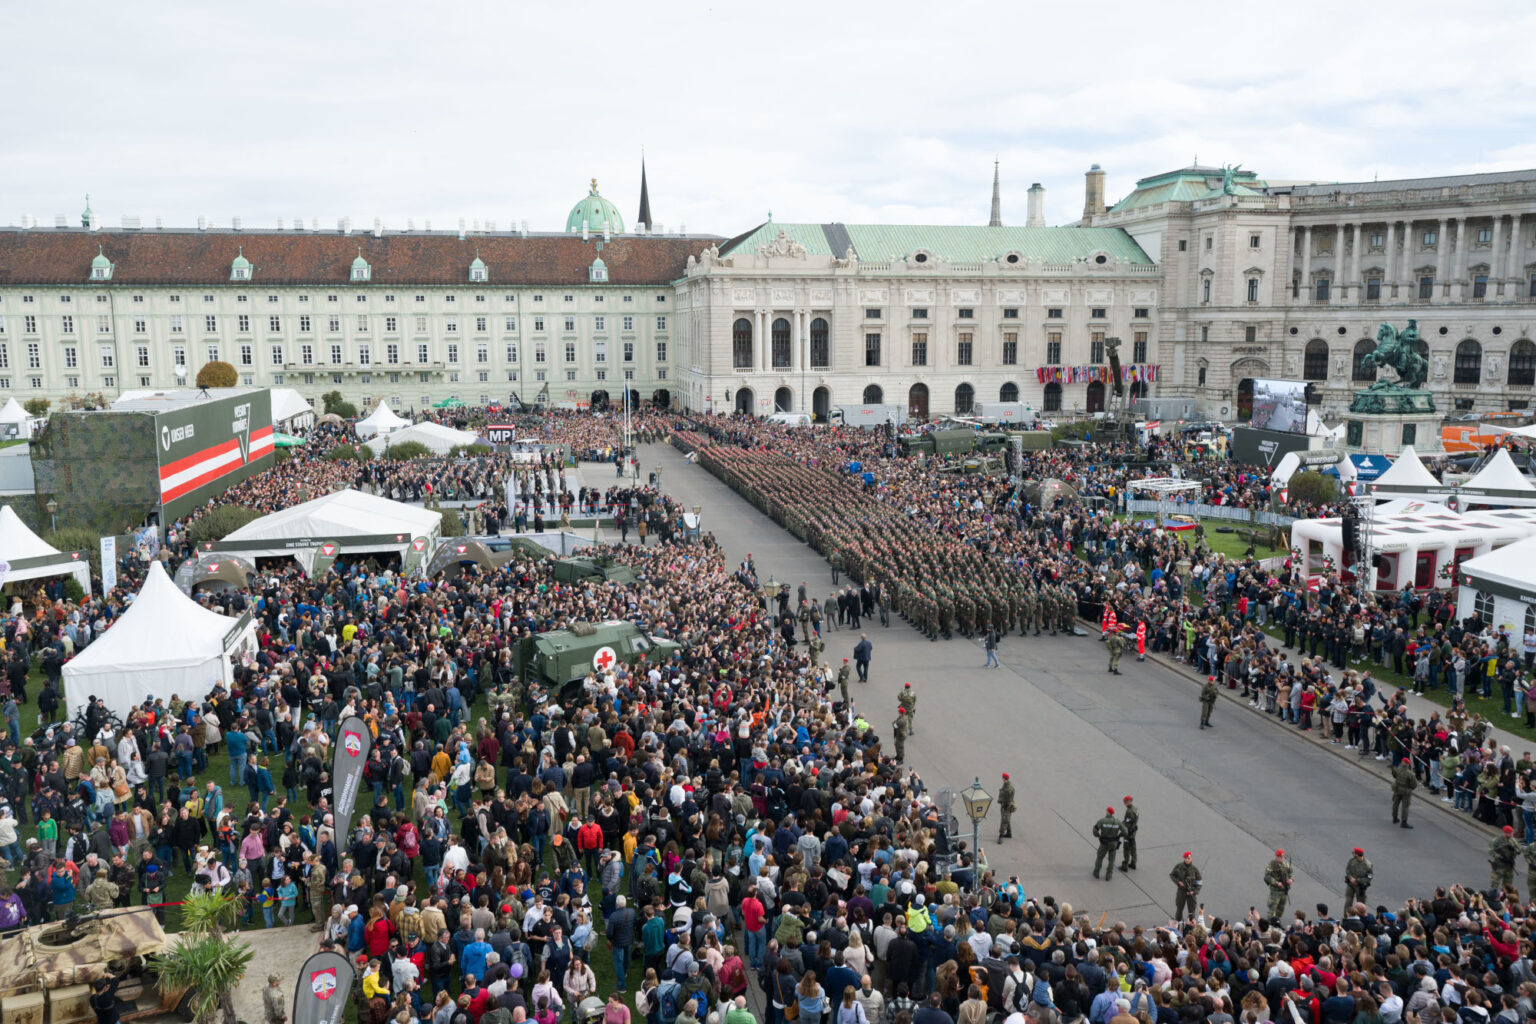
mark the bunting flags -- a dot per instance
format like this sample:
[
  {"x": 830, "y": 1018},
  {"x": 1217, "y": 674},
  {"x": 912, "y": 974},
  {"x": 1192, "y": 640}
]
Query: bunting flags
[{"x": 1129, "y": 374}]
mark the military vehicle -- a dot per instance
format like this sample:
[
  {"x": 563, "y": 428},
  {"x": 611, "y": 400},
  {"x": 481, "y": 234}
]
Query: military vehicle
[
  {"x": 46, "y": 971},
  {"x": 953, "y": 441},
  {"x": 569, "y": 570},
  {"x": 561, "y": 658}
]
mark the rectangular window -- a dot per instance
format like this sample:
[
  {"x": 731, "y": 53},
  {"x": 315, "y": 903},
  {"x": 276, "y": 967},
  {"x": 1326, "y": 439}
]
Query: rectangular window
[
  {"x": 919, "y": 314},
  {"x": 303, "y": 324},
  {"x": 629, "y": 323},
  {"x": 1096, "y": 347},
  {"x": 1532, "y": 292},
  {"x": 242, "y": 324},
  {"x": 307, "y": 354},
  {"x": 1183, "y": 245},
  {"x": 482, "y": 353},
  {"x": 277, "y": 355},
  {"x": 512, "y": 352},
  {"x": 661, "y": 321},
  {"x": 247, "y": 357},
  {"x": 175, "y": 323},
  {"x": 141, "y": 357},
  {"x": 1205, "y": 334},
  {"x": 1098, "y": 313},
  {"x": 481, "y": 324},
  {"x": 1010, "y": 348},
  {"x": 1141, "y": 312},
  {"x": 104, "y": 325},
  {"x": 391, "y": 325},
  {"x": 29, "y": 324},
  {"x": 629, "y": 351},
  {"x": 453, "y": 352},
  {"x": 872, "y": 349},
  {"x": 600, "y": 352},
  {"x": 920, "y": 349},
  {"x": 67, "y": 324},
  {"x": 1253, "y": 241},
  {"x": 1053, "y": 347},
  {"x": 511, "y": 323},
  {"x": 538, "y": 353},
  {"x": 362, "y": 324},
  {"x": 211, "y": 353},
  {"x": 179, "y": 356},
  {"x": 107, "y": 358},
  {"x": 34, "y": 356},
  {"x": 336, "y": 356},
  {"x": 1372, "y": 289},
  {"x": 599, "y": 323},
  {"x": 1480, "y": 286},
  {"x": 1426, "y": 287},
  {"x": 392, "y": 353},
  {"x": 966, "y": 313},
  {"x": 872, "y": 314},
  {"x": 1139, "y": 347},
  {"x": 964, "y": 349},
  {"x": 451, "y": 325},
  {"x": 211, "y": 324},
  {"x": 275, "y": 324},
  {"x": 421, "y": 353},
  {"x": 661, "y": 355},
  {"x": 71, "y": 358},
  {"x": 1053, "y": 314},
  {"x": 1208, "y": 241},
  {"x": 1485, "y": 236},
  {"x": 1322, "y": 289},
  {"x": 421, "y": 325},
  {"x": 570, "y": 323},
  {"x": 1253, "y": 289},
  {"x": 538, "y": 323},
  {"x": 1011, "y": 313},
  {"x": 364, "y": 355},
  {"x": 1377, "y": 241},
  {"x": 333, "y": 325},
  {"x": 570, "y": 351},
  {"x": 1431, "y": 238}
]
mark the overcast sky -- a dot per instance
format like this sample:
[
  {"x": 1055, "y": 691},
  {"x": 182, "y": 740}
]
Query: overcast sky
[{"x": 858, "y": 112}]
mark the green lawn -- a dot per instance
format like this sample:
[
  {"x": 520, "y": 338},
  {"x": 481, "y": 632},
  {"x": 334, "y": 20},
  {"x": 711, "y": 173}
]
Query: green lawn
[{"x": 1230, "y": 543}]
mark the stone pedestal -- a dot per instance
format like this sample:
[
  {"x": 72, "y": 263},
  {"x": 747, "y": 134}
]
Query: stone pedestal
[{"x": 1385, "y": 418}]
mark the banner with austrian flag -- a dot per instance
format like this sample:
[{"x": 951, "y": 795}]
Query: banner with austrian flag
[{"x": 353, "y": 742}]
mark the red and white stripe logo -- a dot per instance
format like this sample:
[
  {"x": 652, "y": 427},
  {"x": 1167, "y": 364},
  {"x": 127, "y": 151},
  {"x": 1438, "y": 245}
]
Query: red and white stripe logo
[{"x": 186, "y": 475}]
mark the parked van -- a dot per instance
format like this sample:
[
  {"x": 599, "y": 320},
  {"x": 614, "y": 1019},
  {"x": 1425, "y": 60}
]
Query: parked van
[{"x": 791, "y": 419}]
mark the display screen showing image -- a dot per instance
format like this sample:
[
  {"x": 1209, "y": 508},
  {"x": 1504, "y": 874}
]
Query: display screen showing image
[{"x": 1279, "y": 405}]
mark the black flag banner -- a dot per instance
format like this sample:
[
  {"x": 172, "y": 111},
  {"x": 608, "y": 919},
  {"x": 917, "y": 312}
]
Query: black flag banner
[
  {"x": 320, "y": 994},
  {"x": 353, "y": 742}
]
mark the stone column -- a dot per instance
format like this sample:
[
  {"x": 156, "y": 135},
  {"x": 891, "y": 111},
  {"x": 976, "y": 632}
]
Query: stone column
[
  {"x": 1495, "y": 286},
  {"x": 1442, "y": 252},
  {"x": 1339, "y": 294},
  {"x": 763, "y": 344},
  {"x": 794, "y": 341},
  {"x": 1354, "y": 261},
  {"x": 1516, "y": 250},
  {"x": 1306, "y": 263},
  {"x": 1389, "y": 272},
  {"x": 1458, "y": 267}
]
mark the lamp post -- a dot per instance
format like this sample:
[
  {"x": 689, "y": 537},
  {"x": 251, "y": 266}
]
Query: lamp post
[
  {"x": 53, "y": 515},
  {"x": 977, "y": 802}
]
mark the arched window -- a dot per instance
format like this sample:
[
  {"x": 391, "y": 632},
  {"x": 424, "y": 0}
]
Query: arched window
[
  {"x": 781, "y": 344},
  {"x": 1469, "y": 362},
  {"x": 965, "y": 399},
  {"x": 1314, "y": 364},
  {"x": 1361, "y": 371},
  {"x": 873, "y": 395},
  {"x": 1095, "y": 398},
  {"x": 1008, "y": 392},
  {"x": 819, "y": 353},
  {"x": 1522, "y": 363},
  {"x": 741, "y": 344},
  {"x": 1052, "y": 400}
]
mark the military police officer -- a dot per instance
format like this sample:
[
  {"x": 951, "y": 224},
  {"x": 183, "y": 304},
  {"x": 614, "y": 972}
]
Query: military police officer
[
  {"x": 1108, "y": 832},
  {"x": 907, "y": 699},
  {"x": 1358, "y": 875},
  {"x": 899, "y": 735},
  {"x": 1186, "y": 881},
  {"x": 1128, "y": 848},
  {"x": 1005, "y": 808},
  {"x": 1278, "y": 877},
  {"x": 1403, "y": 784}
]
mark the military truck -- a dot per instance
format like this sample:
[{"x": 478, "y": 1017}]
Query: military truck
[
  {"x": 569, "y": 570},
  {"x": 561, "y": 658},
  {"x": 46, "y": 971},
  {"x": 953, "y": 441}
]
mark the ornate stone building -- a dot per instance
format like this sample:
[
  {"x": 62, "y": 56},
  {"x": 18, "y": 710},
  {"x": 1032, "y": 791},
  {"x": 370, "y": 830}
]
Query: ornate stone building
[{"x": 1267, "y": 279}]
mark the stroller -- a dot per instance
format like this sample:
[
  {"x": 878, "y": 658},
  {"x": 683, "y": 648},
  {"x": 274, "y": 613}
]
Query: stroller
[{"x": 590, "y": 1010}]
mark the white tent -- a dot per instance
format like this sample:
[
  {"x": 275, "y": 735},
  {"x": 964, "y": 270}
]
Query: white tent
[
  {"x": 289, "y": 410},
  {"x": 435, "y": 436},
  {"x": 1499, "y": 483},
  {"x": 29, "y": 557},
  {"x": 164, "y": 644},
  {"x": 14, "y": 413},
  {"x": 381, "y": 421},
  {"x": 1503, "y": 580},
  {"x": 1407, "y": 478},
  {"x": 354, "y": 521}
]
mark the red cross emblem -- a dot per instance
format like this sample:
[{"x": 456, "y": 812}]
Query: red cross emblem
[
  {"x": 604, "y": 658},
  {"x": 323, "y": 983},
  {"x": 353, "y": 742}
]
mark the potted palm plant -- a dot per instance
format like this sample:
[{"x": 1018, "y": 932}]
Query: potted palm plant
[{"x": 204, "y": 961}]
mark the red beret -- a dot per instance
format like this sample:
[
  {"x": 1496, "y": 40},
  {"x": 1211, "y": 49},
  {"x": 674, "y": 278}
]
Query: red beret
[
  {"x": 1188, "y": 854},
  {"x": 1509, "y": 830},
  {"x": 1005, "y": 775},
  {"x": 1109, "y": 810},
  {"x": 1279, "y": 853},
  {"x": 1359, "y": 852},
  {"x": 1127, "y": 799}
]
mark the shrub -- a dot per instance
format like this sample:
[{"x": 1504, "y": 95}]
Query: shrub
[
  {"x": 470, "y": 450},
  {"x": 217, "y": 374},
  {"x": 1310, "y": 487},
  {"x": 339, "y": 406},
  {"x": 342, "y": 453},
  {"x": 364, "y": 453},
  {"x": 78, "y": 538},
  {"x": 283, "y": 455},
  {"x": 220, "y": 523},
  {"x": 408, "y": 450}
]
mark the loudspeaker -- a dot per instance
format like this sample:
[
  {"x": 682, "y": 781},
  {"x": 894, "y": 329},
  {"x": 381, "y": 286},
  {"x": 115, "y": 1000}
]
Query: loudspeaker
[{"x": 1351, "y": 527}]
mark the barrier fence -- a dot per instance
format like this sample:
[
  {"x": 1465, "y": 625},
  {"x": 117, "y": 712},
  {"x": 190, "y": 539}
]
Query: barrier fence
[{"x": 1204, "y": 511}]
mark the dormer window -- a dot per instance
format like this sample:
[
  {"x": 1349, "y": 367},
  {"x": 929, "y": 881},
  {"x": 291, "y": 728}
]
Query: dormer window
[
  {"x": 240, "y": 267},
  {"x": 477, "y": 272},
  {"x": 361, "y": 271},
  {"x": 598, "y": 273},
  {"x": 101, "y": 267}
]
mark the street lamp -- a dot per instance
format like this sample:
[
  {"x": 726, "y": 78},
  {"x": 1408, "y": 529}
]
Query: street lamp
[
  {"x": 53, "y": 517},
  {"x": 977, "y": 803}
]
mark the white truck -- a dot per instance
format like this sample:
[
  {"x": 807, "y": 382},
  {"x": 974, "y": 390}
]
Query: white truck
[
  {"x": 1007, "y": 414},
  {"x": 869, "y": 415}
]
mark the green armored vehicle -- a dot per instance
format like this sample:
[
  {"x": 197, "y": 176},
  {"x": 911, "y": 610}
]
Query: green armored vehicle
[
  {"x": 561, "y": 658},
  {"x": 953, "y": 441},
  {"x": 569, "y": 570}
]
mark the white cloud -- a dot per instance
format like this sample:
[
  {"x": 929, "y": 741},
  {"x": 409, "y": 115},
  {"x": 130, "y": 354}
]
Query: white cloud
[{"x": 860, "y": 111}]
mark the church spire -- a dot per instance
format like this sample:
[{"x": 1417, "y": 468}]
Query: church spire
[
  {"x": 997, "y": 200},
  {"x": 645, "y": 196}
]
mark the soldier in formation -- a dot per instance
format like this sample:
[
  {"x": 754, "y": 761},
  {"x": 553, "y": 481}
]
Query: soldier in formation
[
  {"x": 1278, "y": 877},
  {"x": 1404, "y": 782},
  {"x": 1108, "y": 832},
  {"x": 1006, "y": 805},
  {"x": 1358, "y": 875},
  {"x": 1115, "y": 644},
  {"x": 1208, "y": 694},
  {"x": 1502, "y": 853},
  {"x": 907, "y": 700},
  {"x": 1186, "y": 887},
  {"x": 1128, "y": 846}
]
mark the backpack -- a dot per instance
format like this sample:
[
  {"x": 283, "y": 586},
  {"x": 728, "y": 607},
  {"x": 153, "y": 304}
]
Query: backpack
[{"x": 668, "y": 996}]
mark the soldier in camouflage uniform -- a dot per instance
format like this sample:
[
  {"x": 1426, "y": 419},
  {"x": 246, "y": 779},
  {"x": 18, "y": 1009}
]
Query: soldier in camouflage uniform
[
  {"x": 1108, "y": 832},
  {"x": 1278, "y": 877},
  {"x": 1358, "y": 875},
  {"x": 1501, "y": 860},
  {"x": 899, "y": 735},
  {"x": 319, "y": 894},
  {"x": 1115, "y": 644},
  {"x": 907, "y": 700},
  {"x": 1529, "y": 853}
]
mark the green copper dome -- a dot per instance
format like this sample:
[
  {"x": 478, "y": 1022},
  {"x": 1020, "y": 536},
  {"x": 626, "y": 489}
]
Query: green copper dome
[
  {"x": 101, "y": 260},
  {"x": 594, "y": 211}
]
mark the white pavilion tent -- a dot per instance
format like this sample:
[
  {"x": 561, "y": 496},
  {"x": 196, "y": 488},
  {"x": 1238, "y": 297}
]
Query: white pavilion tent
[
  {"x": 1500, "y": 483},
  {"x": 29, "y": 557},
  {"x": 164, "y": 644},
  {"x": 1498, "y": 586},
  {"x": 382, "y": 420},
  {"x": 357, "y": 523},
  {"x": 13, "y": 415},
  {"x": 289, "y": 410},
  {"x": 1407, "y": 478},
  {"x": 435, "y": 436}
]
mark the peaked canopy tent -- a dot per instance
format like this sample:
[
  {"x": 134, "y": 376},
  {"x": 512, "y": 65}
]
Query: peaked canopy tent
[
  {"x": 14, "y": 416},
  {"x": 1498, "y": 587},
  {"x": 436, "y": 437},
  {"x": 1409, "y": 479},
  {"x": 29, "y": 557},
  {"x": 1500, "y": 484},
  {"x": 357, "y": 523},
  {"x": 382, "y": 420},
  {"x": 290, "y": 411},
  {"x": 164, "y": 644}
]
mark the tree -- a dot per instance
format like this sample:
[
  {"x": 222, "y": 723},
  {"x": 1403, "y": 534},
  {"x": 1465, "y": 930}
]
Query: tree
[
  {"x": 205, "y": 962},
  {"x": 338, "y": 406},
  {"x": 217, "y": 374},
  {"x": 36, "y": 406},
  {"x": 342, "y": 453},
  {"x": 1310, "y": 488},
  {"x": 408, "y": 450},
  {"x": 220, "y": 523}
]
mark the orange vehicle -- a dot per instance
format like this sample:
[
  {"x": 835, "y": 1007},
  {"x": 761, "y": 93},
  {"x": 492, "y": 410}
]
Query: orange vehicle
[{"x": 1475, "y": 435}]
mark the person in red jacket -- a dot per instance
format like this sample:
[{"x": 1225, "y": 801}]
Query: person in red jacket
[
  {"x": 377, "y": 934},
  {"x": 589, "y": 840}
]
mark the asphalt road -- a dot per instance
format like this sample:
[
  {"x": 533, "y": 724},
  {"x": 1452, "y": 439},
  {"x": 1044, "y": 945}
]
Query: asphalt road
[{"x": 1076, "y": 740}]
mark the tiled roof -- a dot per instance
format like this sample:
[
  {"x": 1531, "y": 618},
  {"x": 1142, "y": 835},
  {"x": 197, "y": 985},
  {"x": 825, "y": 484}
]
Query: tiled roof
[
  {"x": 960, "y": 244},
  {"x": 1400, "y": 184},
  {"x": 204, "y": 257},
  {"x": 1185, "y": 185}
]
